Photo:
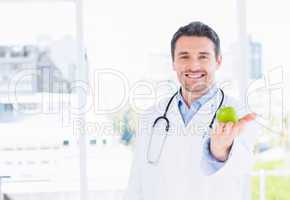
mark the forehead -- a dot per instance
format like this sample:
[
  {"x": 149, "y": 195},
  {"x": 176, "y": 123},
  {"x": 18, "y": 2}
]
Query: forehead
[{"x": 194, "y": 43}]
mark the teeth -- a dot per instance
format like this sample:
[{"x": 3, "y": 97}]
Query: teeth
[{"x": 195, "y": 76}]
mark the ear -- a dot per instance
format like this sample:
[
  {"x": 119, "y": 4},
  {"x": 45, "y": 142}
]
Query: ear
[
  {"x": 173, "y": 65},
  {"x": 219, "y": 61}
]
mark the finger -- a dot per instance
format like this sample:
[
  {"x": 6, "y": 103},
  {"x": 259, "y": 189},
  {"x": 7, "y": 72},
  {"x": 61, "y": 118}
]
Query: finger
[
  {"x": 228, "y": 128},
  {"x": 236, "y": 129},
  {"x": 220, "y": 128},
  {"x": 214, "y": 129}
]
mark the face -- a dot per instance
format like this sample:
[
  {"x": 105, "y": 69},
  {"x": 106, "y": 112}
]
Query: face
[{"x": 195, "y": 63}]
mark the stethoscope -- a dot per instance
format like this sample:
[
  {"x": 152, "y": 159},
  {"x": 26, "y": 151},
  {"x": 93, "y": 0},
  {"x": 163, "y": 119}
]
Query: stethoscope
[{"x": 164, "y": 117}]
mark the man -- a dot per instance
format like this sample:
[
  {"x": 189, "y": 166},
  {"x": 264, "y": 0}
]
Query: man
[{"x": 185, "y": 163}]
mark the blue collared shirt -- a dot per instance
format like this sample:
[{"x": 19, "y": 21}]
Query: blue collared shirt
[{"x": 187, "y": 114}]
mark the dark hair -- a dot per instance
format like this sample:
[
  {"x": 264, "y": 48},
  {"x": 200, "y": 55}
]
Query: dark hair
[{"x": 196, "y": 29}]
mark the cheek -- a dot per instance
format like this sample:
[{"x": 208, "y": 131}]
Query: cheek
[
  {"x": 211, "y": 69},
  {"x": 177, "y": 68},
  {"x": 210, "y": 74}
]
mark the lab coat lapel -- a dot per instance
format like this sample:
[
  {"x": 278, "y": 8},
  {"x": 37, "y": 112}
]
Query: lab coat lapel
[
  {"x": 200, "y": 122},
  {"x": 178, "y": 134}
]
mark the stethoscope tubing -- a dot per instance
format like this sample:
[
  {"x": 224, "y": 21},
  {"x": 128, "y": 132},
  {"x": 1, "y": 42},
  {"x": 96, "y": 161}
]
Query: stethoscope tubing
[{"x": 164, "y": 117}]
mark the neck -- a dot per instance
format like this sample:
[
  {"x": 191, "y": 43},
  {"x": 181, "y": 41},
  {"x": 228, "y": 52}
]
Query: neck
[{"x": 191, "y": 96}]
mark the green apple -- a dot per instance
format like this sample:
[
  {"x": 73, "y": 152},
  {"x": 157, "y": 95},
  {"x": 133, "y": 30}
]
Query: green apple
[{"x": 227, "y": 114}]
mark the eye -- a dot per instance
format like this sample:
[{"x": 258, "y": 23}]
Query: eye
[
  {"x": 184, "y": 57},
  {"x": 203, "y": 57}
]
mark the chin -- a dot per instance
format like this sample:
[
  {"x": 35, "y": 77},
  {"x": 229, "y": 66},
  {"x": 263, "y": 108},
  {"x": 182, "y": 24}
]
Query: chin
[{"x": 197, "y": 89}]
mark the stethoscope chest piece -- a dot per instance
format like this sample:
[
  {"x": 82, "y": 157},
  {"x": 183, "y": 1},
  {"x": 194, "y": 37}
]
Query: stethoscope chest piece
[{"x": 157, "y": 139}]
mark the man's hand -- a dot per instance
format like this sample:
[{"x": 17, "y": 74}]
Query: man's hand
[{"x": 224, "y": 134}]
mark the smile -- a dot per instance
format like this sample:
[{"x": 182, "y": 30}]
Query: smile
[{"x": 195, "y": 75}]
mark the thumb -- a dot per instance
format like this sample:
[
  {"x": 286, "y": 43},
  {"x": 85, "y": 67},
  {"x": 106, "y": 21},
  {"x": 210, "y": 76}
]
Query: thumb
[
  {"x": 242, "y": 122},
  {"x": 247, "y": 118}
]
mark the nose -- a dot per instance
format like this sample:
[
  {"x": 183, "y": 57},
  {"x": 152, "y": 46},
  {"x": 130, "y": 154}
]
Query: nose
[{"x": 194, "y": 64}]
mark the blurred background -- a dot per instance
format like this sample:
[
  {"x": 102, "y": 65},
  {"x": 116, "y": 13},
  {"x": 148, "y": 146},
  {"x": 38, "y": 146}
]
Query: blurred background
[{"x": 75, "y": 75}]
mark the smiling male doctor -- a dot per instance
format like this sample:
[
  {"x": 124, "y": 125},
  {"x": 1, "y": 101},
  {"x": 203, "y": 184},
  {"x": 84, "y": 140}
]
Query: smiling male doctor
[{"x": 184, "y": 163}]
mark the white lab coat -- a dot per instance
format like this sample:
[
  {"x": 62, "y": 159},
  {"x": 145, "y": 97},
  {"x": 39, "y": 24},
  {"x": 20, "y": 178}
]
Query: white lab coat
[{"x": 180, "y": 172}]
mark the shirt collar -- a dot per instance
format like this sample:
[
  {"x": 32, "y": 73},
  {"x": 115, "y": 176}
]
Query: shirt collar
[{"x": 201, "y": 100}]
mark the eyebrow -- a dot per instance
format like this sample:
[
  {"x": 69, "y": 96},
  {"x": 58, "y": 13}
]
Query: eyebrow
[
  {"x": 182, "y": 53},
  {"x": 204, "y": 53},
  {"x": 186, "y": 53}
]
